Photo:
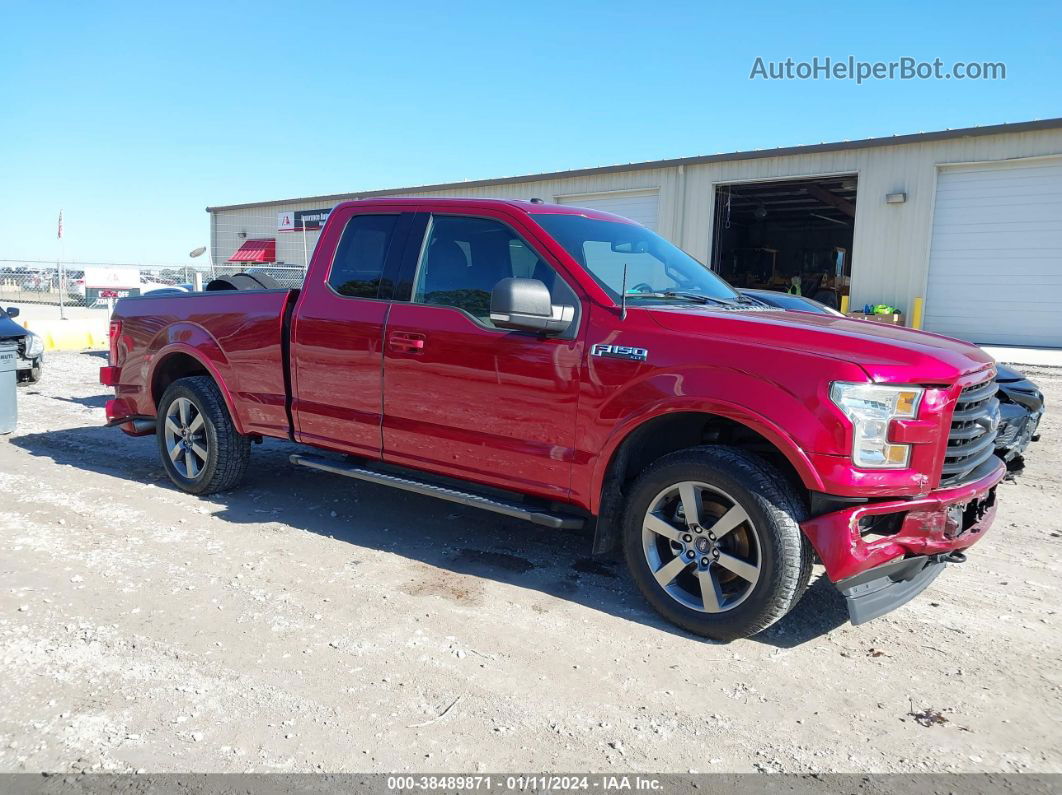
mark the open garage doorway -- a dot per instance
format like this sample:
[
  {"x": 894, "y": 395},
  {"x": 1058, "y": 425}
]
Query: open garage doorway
[{"x": 792, "y": 235}]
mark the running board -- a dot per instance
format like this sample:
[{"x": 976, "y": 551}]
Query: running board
[{"x": 559, "y": 521}]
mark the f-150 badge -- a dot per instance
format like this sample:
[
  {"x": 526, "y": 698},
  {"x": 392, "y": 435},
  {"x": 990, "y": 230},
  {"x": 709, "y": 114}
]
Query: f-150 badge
[{"x": 620, "y": 352}]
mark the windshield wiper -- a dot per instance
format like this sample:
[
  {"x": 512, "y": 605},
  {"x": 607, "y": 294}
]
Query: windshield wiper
[
  {"x": 740, "y": 300},
  {"x": 704, "y": 299},
  {"x": 700, "y": 299},
  {"x": 748, "y": 300}
]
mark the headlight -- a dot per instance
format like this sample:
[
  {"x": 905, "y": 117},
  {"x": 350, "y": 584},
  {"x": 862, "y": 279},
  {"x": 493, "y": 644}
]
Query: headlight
[
  {"x": 34, "y": 346},
  {"x": 871, "y": 407}
]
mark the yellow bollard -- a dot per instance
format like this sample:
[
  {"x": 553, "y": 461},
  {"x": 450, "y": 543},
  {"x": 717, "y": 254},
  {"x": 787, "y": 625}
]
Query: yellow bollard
[
  {"x": 916, "y": 312},
  {"x": 844, "y": 304}
]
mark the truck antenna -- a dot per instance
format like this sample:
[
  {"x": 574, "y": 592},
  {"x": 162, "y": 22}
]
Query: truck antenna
[{"x": 623, "y": 294}]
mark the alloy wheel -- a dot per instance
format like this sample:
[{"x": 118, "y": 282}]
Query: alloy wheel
[
  {"x": 186, "y": 439},
  {"x": 701, "y": 546}
]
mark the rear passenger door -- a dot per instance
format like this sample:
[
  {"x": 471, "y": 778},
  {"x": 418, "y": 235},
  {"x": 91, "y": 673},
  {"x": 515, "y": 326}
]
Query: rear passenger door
[
  {"x": 467, "y": 399},
  {"x": 337, "y": 334}
]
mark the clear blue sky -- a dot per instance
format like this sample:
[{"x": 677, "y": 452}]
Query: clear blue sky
[{"x": 133, "y": 117}]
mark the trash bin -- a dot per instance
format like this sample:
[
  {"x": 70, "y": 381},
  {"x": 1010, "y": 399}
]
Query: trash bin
[{"x": 8, "y": 379}]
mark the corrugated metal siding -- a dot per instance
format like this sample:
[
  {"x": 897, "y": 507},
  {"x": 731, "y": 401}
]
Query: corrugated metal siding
[
  {"x": 262, "y": 221},
  {"x": 891, "y": 248},
  {"x": 641, "y": 206}
]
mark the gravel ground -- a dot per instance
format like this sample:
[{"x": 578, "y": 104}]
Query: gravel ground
[{"x": 309, "y": 623}]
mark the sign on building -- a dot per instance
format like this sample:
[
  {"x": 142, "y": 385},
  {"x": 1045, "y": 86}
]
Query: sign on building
[{"x": 299, "y": 220}]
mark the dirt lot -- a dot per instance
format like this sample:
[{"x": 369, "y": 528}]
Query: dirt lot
[{"x": 310, "y": 623}]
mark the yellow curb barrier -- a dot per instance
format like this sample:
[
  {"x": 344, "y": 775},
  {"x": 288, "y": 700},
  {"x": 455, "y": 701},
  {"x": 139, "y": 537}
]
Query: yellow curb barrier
[{"x": 70, "y": 335}]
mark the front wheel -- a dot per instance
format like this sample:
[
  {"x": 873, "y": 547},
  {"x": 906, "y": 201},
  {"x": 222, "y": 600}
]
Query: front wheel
[
  {"x": 200, "y": 447},
  {"x": 712, "y": 540},
  {"x": 32, "y": 376}
]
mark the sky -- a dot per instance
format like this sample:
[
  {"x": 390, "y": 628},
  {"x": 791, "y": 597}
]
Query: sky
[{"x": 134, "y": 117}]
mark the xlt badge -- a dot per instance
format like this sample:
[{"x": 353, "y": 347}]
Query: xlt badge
[{"x": 620, "y": 352}]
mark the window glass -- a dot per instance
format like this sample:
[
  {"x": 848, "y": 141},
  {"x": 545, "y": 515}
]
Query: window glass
[
  {"x": 359, "y": 261},
  {"x": 465, "y": 257},
  {"x": 642, "y": 267},
  {"x": 654, "y": 266},
  {"x": 524, "y": 259}
]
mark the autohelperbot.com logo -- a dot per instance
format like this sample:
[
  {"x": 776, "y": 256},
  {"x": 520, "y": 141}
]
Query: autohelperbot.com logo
[{"x": 860, "y": 71}]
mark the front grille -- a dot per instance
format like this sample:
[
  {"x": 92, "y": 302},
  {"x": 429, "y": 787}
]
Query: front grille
[
  {"x": 22, "y": 347},
  {"x": 972, "y": 439}
]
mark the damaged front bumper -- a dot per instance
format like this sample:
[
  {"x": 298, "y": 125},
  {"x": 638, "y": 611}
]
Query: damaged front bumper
[
  {"x": 882, "y": 589},
  {"x": 882, "y": 554}
]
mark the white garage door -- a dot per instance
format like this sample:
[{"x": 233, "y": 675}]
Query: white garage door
[
  {"x": 639, "y": 206},
  {"x": 995, "y": 266}
]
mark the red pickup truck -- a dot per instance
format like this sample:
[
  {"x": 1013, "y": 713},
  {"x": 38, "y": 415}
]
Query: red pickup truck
[{"x": 570, "y": 367}]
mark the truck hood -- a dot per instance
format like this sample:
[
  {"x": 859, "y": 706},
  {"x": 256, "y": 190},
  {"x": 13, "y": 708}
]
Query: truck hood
[
  {"x": 887, "y": 353},
  {"x": 9, "y": 328}
]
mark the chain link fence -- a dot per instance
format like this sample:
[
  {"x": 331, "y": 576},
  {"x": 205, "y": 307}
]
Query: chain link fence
[
  {"x": 275, "y": 240},
  {"x": 96, "y": 285}
]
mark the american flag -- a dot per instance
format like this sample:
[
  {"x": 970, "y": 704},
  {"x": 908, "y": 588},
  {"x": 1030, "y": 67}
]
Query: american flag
[{"x": 60, "y": 235}]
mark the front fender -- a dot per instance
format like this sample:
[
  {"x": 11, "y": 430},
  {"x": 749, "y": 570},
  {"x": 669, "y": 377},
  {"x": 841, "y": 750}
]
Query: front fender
[{"x": 766, "y": 427}]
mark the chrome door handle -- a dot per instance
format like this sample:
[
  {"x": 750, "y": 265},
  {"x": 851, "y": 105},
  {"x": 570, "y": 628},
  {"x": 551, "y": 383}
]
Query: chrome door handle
[{"x": 401, "y": 342}]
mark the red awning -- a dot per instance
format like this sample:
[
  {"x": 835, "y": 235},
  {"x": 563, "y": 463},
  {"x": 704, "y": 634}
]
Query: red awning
[{"x": 256, "y": 251}]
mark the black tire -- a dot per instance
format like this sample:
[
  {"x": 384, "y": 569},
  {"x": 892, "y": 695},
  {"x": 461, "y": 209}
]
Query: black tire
[
  {"x": 220, "y": 283},
  {"x": 32, "y": 378},
  {"x": 227, "y": 451},
  {"x": 254, "y": 281},
  {"x": 774, "y": 511},
  {"x": 244, "y": 281}
]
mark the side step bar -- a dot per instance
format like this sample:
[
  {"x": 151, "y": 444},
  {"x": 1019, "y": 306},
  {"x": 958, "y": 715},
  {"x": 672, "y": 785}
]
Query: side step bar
[{"x": 559, "y": 521}]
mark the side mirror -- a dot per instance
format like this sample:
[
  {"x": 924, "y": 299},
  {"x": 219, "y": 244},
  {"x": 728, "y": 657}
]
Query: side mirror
[
  {"x": 13, "y": 311},
  {"x": 525, "y": 305}
]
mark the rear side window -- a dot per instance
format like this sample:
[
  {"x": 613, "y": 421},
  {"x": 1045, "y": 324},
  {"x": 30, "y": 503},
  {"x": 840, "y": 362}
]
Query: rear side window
[{"x": 359, "y": 262}]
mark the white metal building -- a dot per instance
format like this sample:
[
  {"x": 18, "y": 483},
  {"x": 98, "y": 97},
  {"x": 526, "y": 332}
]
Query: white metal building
[{"x": 969, "y": 220}]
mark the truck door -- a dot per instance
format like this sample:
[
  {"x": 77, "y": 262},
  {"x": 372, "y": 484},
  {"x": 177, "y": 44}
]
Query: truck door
[
  {"x": 337, "y": 332},
  {"x": 467, "y": 399}
]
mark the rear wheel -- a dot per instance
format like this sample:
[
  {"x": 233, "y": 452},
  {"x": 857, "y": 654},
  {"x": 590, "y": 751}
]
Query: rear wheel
[
  {"x": 712, "y": 540},
  {"x": 199, "y": 445}
]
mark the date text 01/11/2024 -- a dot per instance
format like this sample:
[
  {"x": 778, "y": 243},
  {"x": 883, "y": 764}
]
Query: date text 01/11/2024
[{"x": 523, "y": 783}]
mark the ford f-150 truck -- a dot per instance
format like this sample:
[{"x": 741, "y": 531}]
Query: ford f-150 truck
[{"x": 570, "y": 367}]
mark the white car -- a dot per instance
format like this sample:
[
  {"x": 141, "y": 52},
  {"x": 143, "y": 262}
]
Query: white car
[{"x": 75, "y": 286}]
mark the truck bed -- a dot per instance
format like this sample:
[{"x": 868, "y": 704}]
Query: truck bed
[{"x": 239, "y": 336}]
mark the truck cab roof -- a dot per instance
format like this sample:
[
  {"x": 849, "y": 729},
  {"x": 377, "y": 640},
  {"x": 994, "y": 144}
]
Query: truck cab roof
[{"x": 527, "y": 207}]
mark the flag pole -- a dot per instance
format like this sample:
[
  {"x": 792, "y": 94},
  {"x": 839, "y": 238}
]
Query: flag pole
[{"x": 60, "y": 270}]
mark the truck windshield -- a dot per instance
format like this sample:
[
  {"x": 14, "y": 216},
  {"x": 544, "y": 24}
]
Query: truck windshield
[{"x": 656, "y": 269}]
